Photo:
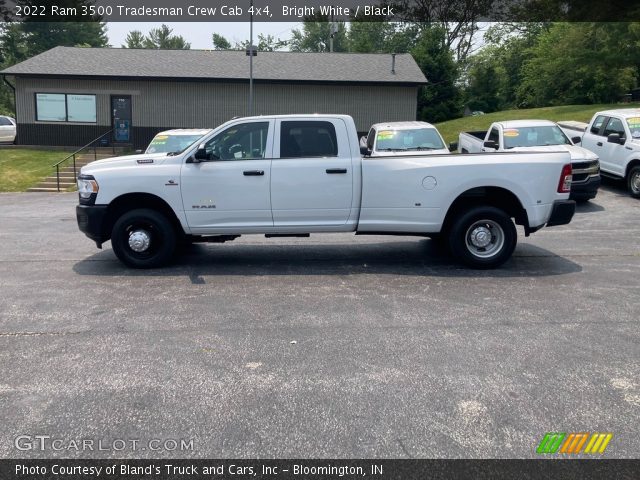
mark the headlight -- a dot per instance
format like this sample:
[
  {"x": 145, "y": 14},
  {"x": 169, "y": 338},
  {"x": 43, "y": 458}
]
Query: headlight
[{"x": 87, "y": 187}]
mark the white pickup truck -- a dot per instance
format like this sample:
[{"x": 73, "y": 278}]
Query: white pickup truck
[
  {"x": 613, "y": 135},
  {"x": 538, "y": 135},
  {"x": 301, "y": 174},
  {"x": 403, "y": 138}
]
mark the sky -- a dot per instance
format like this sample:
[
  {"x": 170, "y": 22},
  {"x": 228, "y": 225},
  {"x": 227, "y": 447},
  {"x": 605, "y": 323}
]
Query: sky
[{"x": 198, "y": 34}]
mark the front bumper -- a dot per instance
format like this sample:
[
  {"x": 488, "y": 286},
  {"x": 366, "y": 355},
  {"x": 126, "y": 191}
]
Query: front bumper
[
  {"x": 91, "y": 222},
  {"x": 586, "y": 189},
  {"x": 562, "y": 212}
]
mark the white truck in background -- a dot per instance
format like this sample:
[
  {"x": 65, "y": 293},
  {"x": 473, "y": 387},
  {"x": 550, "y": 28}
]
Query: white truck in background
[
  {"x": 300, "y": 174},
  {"x": 537, "y": 135},
  {"x": 613, "y": 135},
  {"x": 403, "y": 138}
]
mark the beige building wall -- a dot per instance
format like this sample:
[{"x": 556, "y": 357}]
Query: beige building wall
[{"x": 208, "y": 104}]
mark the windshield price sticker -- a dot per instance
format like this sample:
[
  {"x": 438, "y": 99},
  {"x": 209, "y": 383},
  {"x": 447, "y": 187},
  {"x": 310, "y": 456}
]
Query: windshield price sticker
[{"x": 512, "y": 133}]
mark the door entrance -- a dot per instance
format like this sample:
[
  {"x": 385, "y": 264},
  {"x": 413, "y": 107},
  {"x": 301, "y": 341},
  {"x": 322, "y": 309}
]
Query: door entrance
[{"x": 121, "y": 118}]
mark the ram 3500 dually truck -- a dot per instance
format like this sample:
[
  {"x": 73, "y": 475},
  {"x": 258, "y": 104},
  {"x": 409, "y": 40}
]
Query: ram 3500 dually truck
[
  {"x": 301, "y": 174},
  {"x": 537, "y": 135},
  {"x": 613, "y": 135}
]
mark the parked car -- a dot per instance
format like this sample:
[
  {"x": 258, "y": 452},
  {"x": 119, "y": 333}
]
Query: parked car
[
  {"x": 293, "y": 175},
  {"x": 175, "y": 141},
  {"x": 403, "y": 138},
  {"x": 613, "y": 135},
  {"x": 7, "y": 129},
  {"x": 539, "y": 135}
]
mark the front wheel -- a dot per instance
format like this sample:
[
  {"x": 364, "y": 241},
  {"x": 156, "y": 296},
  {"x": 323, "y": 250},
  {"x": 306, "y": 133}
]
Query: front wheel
[
  {"x": 143, "y": 238},
  {"x": 633, "y": 182},
  {"x": 483, "y": 237}
]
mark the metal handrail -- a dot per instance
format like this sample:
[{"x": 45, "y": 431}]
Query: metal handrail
[{"x": 73, "y": 155}]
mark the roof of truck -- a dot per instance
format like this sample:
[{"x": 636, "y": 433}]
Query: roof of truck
[
  {"x": 623, "y": 112},
  {"x": 402, "y": 125},
  {"x": 526, "y": 123},
  {"x": 186, "y": 131}
]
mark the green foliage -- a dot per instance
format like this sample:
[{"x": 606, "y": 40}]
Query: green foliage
[
  {"x": 376, "y": 36},
  {"x": 440, "y": 99},
  {"x": 220, "y": 43},
  {"x": 135, "y": 39},
  {"x": 315, "y": 36},
  {"x": 162, "y": 39},
  {"x": 266, "y": 43}
]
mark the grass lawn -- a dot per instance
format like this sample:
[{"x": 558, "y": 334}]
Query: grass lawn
[
  {"x": 23, "y": 168},
  {"x": 580, "y": 113}
]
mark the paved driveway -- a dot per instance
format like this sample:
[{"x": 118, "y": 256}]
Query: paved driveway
[{"x": 332, "y": 346}]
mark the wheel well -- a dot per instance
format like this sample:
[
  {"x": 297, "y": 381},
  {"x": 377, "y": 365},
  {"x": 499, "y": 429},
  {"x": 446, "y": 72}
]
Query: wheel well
[
  {"x": 132, "y": 201},
  {"x": 493, "y": 196},
  {"x": 630, "y": 165}
]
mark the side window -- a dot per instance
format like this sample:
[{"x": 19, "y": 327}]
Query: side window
[
  {"x": 494, "y": 135},
  {"x": 597, "y": 124},
  {"x": 308, "y": 139},
  {"x": 246, "y": 141},
  {"x": 614, "y": 126},
  {"x": 371, "y": 138},
  {"x": 4, "y": 121}
]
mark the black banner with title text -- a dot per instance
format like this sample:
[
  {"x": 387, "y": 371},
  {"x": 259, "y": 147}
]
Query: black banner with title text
[{"x": 323, "y": 10}]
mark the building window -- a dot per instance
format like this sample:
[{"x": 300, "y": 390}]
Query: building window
[{"x": 61, "y": 107}]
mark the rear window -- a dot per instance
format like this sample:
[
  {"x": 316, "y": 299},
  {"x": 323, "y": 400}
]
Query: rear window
[{"x": 308, "y": 139}]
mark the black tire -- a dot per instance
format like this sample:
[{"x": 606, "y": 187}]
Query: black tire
[
  {"x": 633, "y": 182},
  {"x": 476, "y": 226},
  {"x": 155, "y": 243}
]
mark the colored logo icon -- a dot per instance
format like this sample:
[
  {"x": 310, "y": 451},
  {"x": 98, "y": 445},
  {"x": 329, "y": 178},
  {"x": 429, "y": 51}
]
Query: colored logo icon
[{"x": 574, "y": 443}]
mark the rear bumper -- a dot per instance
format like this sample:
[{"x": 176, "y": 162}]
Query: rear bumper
[
  {"x": 562, "y": 212},
  {"x": 91, "y": 222},
  {"x": 586, "y": 189}
]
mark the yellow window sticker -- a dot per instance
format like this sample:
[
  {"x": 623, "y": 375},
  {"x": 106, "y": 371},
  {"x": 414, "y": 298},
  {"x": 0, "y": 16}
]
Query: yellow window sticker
[
  {"x": 512, "y": 132},
  {"x": 385, "y": 134}
]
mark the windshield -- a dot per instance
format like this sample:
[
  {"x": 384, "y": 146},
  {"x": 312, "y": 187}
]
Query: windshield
[
  {"x": 634, "y": 126},
  {"x": 534, "y": 137},
  {"x": 410, "y": 139},
  {"x": 166, "y": 143}
]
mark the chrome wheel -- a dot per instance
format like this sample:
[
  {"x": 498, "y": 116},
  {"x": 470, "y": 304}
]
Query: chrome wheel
[
  {"x": 484, "y": 238},
  {"x": 139, "y": 241}
]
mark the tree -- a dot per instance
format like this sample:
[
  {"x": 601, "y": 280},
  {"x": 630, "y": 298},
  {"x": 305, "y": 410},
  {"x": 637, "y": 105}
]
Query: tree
[
  {"x": 315, "y": 35},
  {"x": 580, "y": 63},
  {"x": 440, "y": 99},
  {"x": 161, "y": 38},
  {"x": 382, "y": 37},
  {"x": 266, "y": 43},
  {"x": 135, "y": 39},
  {"x": 220, "y": 43}
]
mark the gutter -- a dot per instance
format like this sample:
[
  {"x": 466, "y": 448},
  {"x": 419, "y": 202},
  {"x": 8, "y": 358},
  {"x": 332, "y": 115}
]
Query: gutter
[{"x": 15, "y": 100}]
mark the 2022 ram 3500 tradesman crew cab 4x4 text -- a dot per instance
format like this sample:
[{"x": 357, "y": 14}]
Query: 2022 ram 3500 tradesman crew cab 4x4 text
[{"x": 301, "y": 174}]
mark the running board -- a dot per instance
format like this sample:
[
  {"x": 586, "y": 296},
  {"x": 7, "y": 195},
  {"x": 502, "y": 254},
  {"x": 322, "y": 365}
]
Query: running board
[{"x": 281, "y": 235}]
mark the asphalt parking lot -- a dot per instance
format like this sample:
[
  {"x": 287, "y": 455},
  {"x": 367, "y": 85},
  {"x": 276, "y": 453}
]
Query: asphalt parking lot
[{"x": 331, "y": 346}]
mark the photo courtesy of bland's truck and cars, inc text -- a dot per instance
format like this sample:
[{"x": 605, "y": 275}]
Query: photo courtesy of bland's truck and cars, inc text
[{"x": 372, "y": 239}]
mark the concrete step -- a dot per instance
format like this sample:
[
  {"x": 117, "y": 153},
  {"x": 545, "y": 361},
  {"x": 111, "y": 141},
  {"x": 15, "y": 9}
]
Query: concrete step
[{"x": 53, "y": 184}]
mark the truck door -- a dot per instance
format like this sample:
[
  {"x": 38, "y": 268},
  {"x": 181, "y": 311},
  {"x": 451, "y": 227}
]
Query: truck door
[
  {"x": 594, "y": 140},
  {"x": 311, "y": 173},
  {"x": 614, "y": 153},
  {"x": 230, "y": 189}
]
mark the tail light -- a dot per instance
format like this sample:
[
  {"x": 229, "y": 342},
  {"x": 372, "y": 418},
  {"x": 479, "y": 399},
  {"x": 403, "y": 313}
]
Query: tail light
[{"x": 564, "y": 185}]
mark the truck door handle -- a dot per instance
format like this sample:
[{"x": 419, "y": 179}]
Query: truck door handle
[
  {"x": 253, "y": 173},
  {"x": 336, "y": 170},
  {"x": 599, "y": 144}
]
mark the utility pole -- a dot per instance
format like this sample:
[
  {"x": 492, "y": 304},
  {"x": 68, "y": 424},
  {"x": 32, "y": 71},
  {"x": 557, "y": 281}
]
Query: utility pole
[{"x": 251, "y": 52}]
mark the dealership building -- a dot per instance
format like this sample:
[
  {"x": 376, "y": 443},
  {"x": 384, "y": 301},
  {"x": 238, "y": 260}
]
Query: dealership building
[{"x": 70, "y": 95}]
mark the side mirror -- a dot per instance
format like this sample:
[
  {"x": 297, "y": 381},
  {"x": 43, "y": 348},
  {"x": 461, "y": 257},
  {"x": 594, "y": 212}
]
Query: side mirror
[
  {"x": 201, "y": 154},
  {"x": 615, "y": 138},
  {"x": 576, "y": 139},
  {"x": 453, "y": 146},
  {"x": 490, "y": 144},
  {"x": 365, "y": 151}
]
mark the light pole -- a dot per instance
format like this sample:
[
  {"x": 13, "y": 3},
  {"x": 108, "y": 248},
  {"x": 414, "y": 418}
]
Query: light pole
[{"x": 251, "y": 51}]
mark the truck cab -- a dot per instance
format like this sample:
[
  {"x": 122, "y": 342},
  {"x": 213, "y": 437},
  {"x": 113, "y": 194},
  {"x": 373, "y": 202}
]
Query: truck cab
[{"x": 614, "y": 135}]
